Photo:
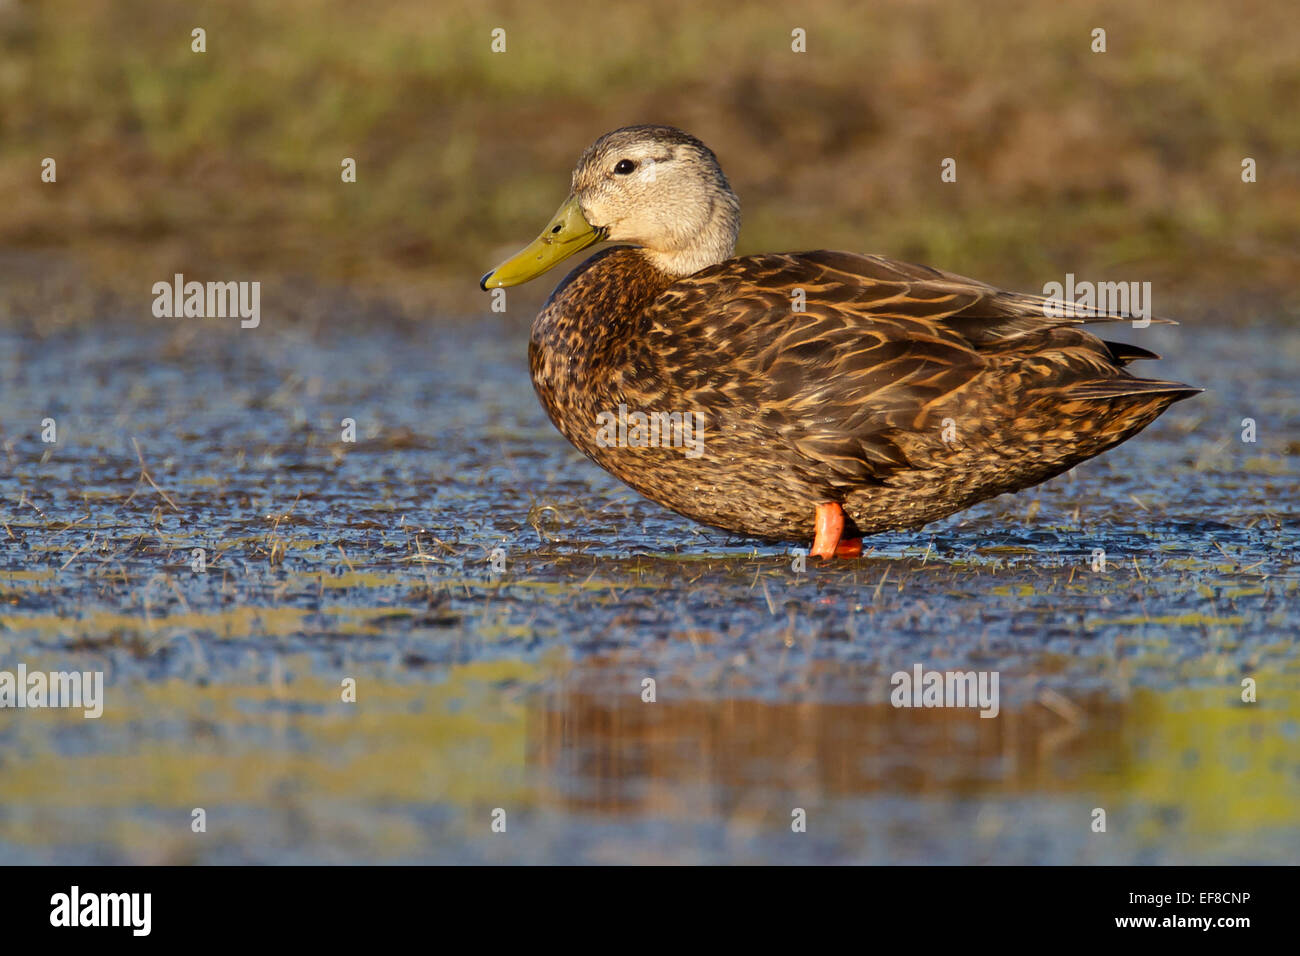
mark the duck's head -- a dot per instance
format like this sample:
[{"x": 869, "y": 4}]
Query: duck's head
[{"x": 652, "y": 186}]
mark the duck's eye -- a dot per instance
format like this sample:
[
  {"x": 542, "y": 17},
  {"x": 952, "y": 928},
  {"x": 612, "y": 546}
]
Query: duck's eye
[{"x": 624, "y": 167}]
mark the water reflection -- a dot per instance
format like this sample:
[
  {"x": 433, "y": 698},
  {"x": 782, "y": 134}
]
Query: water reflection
[{"x": 1191, "y": 761}]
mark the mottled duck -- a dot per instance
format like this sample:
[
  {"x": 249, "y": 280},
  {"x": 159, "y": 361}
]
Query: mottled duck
[{"x": 797, "y": 396}]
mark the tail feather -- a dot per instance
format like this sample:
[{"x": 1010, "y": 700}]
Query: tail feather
[
  {"x": 1123, "y": 353},
  {"x": 1124, "y": 387}
]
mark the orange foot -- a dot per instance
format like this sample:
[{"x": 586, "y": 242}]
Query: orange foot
[
  {"x": 830, "y": 526},
  {"x": 849, "y": 548}
]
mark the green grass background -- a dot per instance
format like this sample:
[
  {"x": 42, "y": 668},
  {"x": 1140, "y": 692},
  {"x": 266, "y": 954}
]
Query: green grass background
[{"x": 1123, "y": 165}]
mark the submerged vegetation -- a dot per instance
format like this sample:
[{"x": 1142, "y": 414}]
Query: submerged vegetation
[{"x": 478, "y": 688}]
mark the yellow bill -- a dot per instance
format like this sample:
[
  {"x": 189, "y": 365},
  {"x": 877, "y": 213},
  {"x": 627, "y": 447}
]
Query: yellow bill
[{"x": 567, "y": 233}]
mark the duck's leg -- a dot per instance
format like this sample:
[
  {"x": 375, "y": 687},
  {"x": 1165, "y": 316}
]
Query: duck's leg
[{"x": 830, "y": 526}]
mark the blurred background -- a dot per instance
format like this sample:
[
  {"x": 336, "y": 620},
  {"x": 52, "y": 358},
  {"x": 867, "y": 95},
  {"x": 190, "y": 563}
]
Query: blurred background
[
  {"x": 480, "y": 689},
  {"x": 1121, "y": 165}
]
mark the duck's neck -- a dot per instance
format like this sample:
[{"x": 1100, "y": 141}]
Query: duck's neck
[
  {"x": 686, "y": 254},
  {"x": 603, "y": 299},
  {"x": 590, "y": 325}
]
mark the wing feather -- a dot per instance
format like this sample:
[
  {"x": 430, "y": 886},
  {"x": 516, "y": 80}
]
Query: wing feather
[{"x": 868, "y": 353}]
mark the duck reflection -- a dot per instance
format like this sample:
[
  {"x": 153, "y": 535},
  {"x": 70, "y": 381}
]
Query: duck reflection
[{"x": 597, "y": 751}]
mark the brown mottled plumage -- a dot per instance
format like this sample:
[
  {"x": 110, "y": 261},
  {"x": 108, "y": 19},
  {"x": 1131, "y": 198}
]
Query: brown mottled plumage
[{"x": 900, "y": 392}]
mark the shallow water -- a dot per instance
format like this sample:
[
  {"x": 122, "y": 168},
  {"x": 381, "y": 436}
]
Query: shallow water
[{"x": 1120, "y": 688}]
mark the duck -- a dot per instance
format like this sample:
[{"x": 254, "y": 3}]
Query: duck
[{"x": 810, "y": 397}]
